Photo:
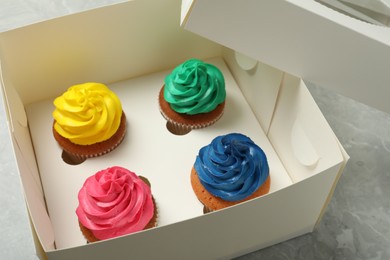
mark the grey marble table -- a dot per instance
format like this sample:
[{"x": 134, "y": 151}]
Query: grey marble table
[{"x": 356, "y": 224}]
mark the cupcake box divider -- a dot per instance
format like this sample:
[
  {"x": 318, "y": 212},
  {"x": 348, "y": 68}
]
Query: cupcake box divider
[{"x": 131, "y": 47}]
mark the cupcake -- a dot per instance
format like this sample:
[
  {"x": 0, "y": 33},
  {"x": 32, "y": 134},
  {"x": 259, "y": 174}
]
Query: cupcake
[
  {"x": 193, "y": 96},
  {"x": 115, "y": 202},
  {"x": 88, "y": 122},
  {"x": 228, "y": 171}
]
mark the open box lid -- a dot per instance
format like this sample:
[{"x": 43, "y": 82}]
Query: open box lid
[{"x": 304, "y": 38}]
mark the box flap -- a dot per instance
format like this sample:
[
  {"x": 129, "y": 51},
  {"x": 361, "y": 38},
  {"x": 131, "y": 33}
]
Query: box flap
[
  {"x": 303, "y": 38},
  {"x": 300, "y": 134},
  {"x": 35, "y": 202},
  {"x": 13, "y": 105},
  {"x": 25, "y": 157},
  {"x": 331, "y": 192},
  {"x": 258, "y": 82}
]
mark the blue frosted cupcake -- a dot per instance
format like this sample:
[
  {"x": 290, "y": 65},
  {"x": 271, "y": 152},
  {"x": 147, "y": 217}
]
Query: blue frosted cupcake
[{"x": 228, "y": 171}]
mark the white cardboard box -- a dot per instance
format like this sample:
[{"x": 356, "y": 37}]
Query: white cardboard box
[{"x": 131, "y": 47}]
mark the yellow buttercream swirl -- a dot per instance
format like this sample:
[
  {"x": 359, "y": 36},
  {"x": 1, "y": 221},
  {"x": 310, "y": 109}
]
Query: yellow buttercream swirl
[{"x": 87, "y": 113}]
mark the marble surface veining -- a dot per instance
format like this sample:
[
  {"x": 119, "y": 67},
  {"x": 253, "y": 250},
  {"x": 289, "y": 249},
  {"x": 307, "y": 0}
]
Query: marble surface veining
[{"x": 356, "y": 224}]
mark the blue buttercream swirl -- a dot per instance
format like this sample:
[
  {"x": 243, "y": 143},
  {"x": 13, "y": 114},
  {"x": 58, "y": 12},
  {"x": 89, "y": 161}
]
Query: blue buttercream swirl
[{"x": 232, "y": 167}]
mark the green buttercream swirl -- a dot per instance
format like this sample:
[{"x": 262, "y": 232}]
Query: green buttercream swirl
[{"x": 194, "y": 87}]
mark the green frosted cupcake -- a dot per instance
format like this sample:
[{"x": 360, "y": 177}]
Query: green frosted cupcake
[{"x": 192, "y": 97}]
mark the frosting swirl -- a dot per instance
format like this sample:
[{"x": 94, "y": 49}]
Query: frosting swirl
[
  {"x": 87, "y": 113},
  {"x": 114, "y": 202},
  {"x": 232, "y": 167},
  {"x": 194, "y": 87}
]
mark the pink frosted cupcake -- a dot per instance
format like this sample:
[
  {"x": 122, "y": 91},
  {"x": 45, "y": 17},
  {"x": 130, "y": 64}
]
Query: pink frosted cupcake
[{"x": 115, "y": 202}]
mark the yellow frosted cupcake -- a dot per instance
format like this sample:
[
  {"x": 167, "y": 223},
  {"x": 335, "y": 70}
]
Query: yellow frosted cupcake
[{"x": 88, "y": 121}]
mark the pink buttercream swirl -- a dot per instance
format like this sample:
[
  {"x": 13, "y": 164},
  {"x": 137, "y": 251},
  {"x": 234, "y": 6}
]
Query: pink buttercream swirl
[{"x": 114, "y": 202}]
